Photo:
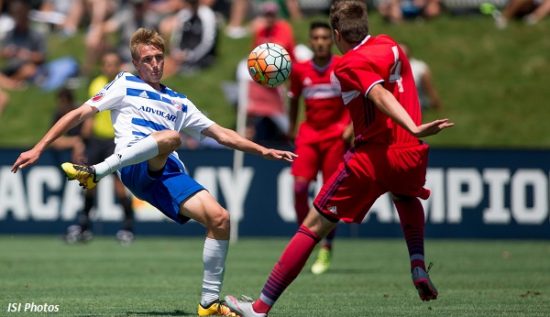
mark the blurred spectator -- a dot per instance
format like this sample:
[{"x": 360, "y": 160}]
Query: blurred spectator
[
  {"x": 532, "y": 11},
  {"x": 240, "y": 8},
  {"x": 6, "y": 22},
  {"x": 71, "y": 140},
  {"x": 68, "y": 15},
  {"x": 395, "y": 11},
  {"x": 164, "y": 12},
  {"x": 23, "y": 47},
  {"x": 194, "y": 40},
  {"x": 427, "y": 94},
  {"x": 267, "y": 120},
  {"x": 10, "y": 84},
  {"x": 65, "y": 14},
  {"x": 99, "y": 135},
  {"x": 7, "y": 83},
  {"x": 99, "y": 10},
  {"x": 4, "y": 99},
  {"x": 167, "y": 11},
  {"x": 221, "y": 7},
  {"x": 133, "y": 15},
  {"x": 235, "y": 28},
  {"x": 271, "y": 28},
  {"x": 25, "y": 50}
]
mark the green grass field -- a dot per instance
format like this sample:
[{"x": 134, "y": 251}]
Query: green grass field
[{"x": 162, "y": 276}]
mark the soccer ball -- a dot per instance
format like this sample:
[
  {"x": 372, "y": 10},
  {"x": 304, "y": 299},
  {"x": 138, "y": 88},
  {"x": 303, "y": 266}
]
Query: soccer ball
[{"x": 269, "y": 64}]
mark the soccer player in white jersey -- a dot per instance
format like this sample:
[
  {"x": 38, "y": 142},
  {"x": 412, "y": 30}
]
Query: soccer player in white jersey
[{"x": 147, "y": 117}]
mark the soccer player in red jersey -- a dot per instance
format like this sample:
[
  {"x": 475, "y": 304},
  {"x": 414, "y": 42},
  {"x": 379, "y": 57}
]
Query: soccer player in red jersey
[
  {"x": 321, "y": 138},
  {"x": 274, "y": 29},
  {"x": 378, "y": 89}
]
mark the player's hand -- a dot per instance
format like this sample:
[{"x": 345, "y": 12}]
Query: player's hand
[
  {"x": 433, "y": 127},
  {"x": 25, "y": 159},
  {"x": 273, "y": 154}
]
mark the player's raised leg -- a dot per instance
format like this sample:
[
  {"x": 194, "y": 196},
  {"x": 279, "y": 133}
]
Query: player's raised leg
[
  {"x": 157, "y": 144},
  {"x": 204, "y": 208}
]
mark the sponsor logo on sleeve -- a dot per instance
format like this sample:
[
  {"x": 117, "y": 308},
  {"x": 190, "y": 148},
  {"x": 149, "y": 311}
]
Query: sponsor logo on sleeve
[
  {"x": 98, "y": 96},
  {"x": 176, "y": 104}
]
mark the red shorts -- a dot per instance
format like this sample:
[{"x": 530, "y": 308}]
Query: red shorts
[
  {"x": 368, "y": 172},
  {"x": 321, "y": 156}
]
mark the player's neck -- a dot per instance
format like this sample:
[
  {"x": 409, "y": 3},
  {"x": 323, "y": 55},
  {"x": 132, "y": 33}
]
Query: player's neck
[
  {"x": 322, "y": 61},
  {"x": 157, "y": 86}
]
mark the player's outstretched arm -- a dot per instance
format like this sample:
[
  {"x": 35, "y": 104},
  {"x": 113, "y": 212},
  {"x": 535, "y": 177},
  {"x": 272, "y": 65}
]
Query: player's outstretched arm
[
  {"x": 387, "y": 103},
  {"x": 65, "y": 123},
  {"x": 233, "y": 140}
]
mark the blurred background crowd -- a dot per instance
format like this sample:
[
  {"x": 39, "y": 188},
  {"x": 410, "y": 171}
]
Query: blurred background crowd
[{"x": 193, "y": 29}]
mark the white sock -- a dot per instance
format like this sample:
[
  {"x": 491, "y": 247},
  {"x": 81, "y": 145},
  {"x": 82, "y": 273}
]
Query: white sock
[
  {"x": 213, "y": 257},
  {"x": 143, "y": 150}
]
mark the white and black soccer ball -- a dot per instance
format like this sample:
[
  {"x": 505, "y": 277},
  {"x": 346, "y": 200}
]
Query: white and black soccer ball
[{"x": 269, "y": 64}]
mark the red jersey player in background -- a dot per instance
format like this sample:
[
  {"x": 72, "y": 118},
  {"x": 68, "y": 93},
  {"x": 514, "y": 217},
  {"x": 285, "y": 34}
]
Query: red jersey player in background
[
  {"x": 378, "y": 89},
  {"x": 321, "y": 139},
  {"x": 267, "y": 118}
]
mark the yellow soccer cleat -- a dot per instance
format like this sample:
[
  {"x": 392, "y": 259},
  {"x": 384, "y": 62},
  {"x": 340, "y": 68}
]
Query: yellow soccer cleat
[
  {"x": 322, "y": 264},
  {"x": 216, "y": 309},
  {"x": 85, "y": 175}
]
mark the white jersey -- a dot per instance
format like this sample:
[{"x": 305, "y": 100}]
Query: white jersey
[{"x": 137, "y": 110}]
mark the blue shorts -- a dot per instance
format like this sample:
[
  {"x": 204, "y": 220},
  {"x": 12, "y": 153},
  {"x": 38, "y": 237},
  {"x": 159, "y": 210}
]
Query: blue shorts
[{"x": 167, "y": 191}]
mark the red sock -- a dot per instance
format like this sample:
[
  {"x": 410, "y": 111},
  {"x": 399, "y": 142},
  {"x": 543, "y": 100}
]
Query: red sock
[
  {"x": 301, "y": 197},
  {"x": 288, "y": 267},
  {"x": 411, "y": 215}
]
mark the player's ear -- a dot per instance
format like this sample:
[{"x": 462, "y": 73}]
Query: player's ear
[{"x": 336, "y": 36}]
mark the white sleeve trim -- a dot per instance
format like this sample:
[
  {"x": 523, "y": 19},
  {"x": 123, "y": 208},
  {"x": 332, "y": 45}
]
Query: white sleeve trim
[{"x": 372, "y": 85}]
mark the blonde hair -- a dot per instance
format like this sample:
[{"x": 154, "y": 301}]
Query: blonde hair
[{"x": 145, "y": 37}]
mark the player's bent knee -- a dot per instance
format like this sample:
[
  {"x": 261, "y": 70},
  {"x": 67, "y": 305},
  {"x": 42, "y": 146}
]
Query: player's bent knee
[
  {"x": 218, "y": 220},
  {"x": 301, "y": 186},
  {"x": 168, "y": 140},
  {"x": 173, "y": 137}
]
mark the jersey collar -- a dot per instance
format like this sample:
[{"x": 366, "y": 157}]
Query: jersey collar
[{"x": 362, "y": 42}]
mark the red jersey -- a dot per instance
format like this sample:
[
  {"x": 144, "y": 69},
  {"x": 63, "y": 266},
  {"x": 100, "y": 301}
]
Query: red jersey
[
  {"x": 281, "y": 33},
  {"x": 324, "y": 110},
  {"x": 377, "y": 60}
]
